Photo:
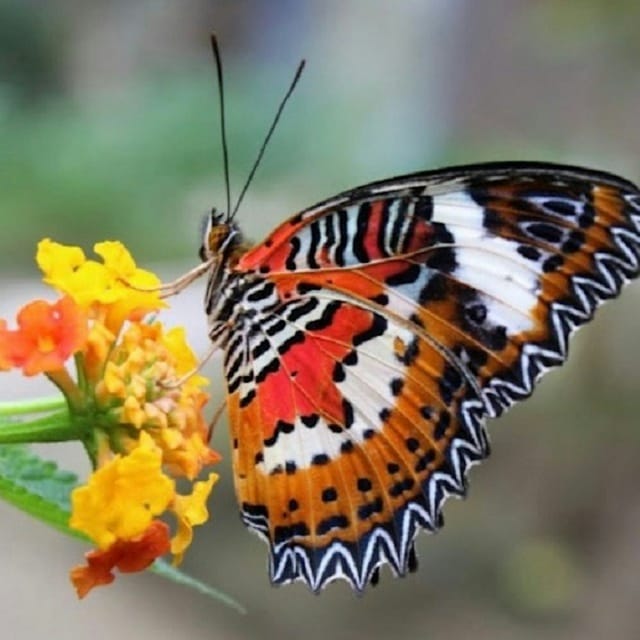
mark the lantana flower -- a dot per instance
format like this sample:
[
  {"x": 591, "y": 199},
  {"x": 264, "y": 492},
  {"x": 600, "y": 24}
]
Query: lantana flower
[{"x": 131, "y": 402}]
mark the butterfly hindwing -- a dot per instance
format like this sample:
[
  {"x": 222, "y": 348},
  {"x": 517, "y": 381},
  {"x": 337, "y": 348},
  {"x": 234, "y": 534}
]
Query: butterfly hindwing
[{"x": 386, "y": 324}]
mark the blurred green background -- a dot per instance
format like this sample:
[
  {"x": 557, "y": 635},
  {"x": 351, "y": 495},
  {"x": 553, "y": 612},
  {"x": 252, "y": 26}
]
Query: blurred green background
[{"x": 109, "y": 129}]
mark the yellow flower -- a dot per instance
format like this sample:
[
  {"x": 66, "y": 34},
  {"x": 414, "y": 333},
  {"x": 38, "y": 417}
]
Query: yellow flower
[
  {"x": 190, "y": 511},
  {"x": 115, "y": 290},
  {"x": 121, "y": 498}
]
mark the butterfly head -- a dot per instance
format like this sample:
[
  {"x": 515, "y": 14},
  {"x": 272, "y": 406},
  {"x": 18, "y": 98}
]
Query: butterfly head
[{"x": 219, "y": 236}]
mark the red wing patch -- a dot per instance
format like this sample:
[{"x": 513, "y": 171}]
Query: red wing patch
[{"x": 374, "y": 333}]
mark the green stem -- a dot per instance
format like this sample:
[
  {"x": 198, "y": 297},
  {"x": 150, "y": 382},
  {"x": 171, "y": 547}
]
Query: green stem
[
  {"x": 56, "y": 427},
  {"x": 39, "y": 405}
]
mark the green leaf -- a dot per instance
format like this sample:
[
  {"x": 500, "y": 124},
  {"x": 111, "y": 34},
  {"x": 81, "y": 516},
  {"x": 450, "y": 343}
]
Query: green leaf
[
  {"x": 39, "y": 488},
  {"x": 36, "y": 487}
]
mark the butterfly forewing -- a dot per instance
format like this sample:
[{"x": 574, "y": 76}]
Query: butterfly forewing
[{"x": 375, "y": 331}]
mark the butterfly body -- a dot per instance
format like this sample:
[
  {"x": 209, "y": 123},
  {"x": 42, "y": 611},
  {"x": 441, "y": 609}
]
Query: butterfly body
[{"x": 368, "y": 337}]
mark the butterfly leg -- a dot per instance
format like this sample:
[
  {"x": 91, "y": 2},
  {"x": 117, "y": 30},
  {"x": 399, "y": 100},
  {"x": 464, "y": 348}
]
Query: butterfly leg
[
  {"x": 182, "y": 379},
  {"x": 216, "y": 417},
  {"x": 168, "y": 289}
]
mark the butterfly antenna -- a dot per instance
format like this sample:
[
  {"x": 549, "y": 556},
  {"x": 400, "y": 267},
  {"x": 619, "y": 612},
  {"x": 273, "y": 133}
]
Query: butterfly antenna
[
  {"x": 268, "y": 136},
  {"x": 225, "y": 150}
]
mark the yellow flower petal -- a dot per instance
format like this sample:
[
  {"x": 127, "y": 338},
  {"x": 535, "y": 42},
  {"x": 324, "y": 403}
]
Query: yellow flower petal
[
  {"x": 121, "y": 498},
  {"x": 116, "y": 257},
  {"x": 190, "y": 511},
  {"x": 56, "y": 260},
  {"x": 99, "y": 344},
  {"x": 185, "y": 360},
  {"x": 116, "y": 290}
]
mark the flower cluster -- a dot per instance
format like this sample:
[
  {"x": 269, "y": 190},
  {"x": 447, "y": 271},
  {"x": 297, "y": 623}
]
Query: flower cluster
[{"x": 132, "y": 403}]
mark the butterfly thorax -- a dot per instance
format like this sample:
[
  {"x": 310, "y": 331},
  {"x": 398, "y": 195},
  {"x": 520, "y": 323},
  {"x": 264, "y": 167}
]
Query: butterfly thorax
[{"x": 226, "y": 297}]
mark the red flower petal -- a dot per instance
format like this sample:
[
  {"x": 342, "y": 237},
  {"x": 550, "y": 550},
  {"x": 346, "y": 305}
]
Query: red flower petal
[{"x": 128, "y": 556}]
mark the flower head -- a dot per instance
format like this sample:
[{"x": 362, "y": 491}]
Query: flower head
[
  {"x": 47, "y": 335},
  {"x": 138, "y": 410}
]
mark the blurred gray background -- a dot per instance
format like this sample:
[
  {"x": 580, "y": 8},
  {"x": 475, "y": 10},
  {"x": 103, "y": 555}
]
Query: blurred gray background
[{"x": 109, "y": 129}]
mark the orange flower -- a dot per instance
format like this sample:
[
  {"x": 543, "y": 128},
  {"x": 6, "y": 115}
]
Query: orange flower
[
  {"x": 128, "y": 556},
  {"x": 6, "y": 362},
  {"x": 47, "y": 335}
]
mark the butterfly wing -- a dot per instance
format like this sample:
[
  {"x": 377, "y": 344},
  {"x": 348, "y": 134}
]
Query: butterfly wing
[{"x": 392, "y": 320}]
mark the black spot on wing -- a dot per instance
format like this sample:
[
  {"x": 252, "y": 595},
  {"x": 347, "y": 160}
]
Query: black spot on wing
[
  {"x": 262, "y": 292},
  {"x": 564, "y": 208},
  {"x": 423, "y": 208},
  {"x": 314, "y": 230},
  {"x": 545, "y": 231},
  {"x": 296, "y": 338},
  {"x": 552, "y": 263},
  {"x": 338, "y": 374},
  {"x": 272, "y": 367},
  {"x": 286, "y": 532},
  {"x": 275, "y": 327},
  {"x": 311, "y": 420},
  {"x": 442, "y": 258},
  {"x": 574, "y": 242},
  {"x": 303, "y": 288},
  {"x": 343, "y": 235},
  {"x": 450, "y": 381},
  {"x": 369, "y": 509},
  {"x": 300, "y": 310},
  {"x": 435, "y": 289},
  {"x": 424, "y": 461},
  {"x": 398, "y": 488},
  {"x": 290, "y": 262},
  {"x": 442, "y": 425},
  {"x": 333, "y": 522},
  {"x": 588, "y": 216},
  {"x": 362, "y": 226},
  {"x": 246, "y": 400},
  {"x": 396, "y": 227},
  {"x": 281, "y": 427},
  {"x": 329, "y": 494},
  {"x": 329, "y": 232},
  {"x": 407, "y": 276},
  {"x": 378, "y": 327},
  {"x": 529, "y": 252},
  {"x": 255, "y": 510},
  {"x": 326, "y": 319},
  {"x": 260, "y": 349}
]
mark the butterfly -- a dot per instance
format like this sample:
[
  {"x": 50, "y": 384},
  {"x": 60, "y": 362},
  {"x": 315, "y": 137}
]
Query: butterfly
[{"x": 368, "y": 338}]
